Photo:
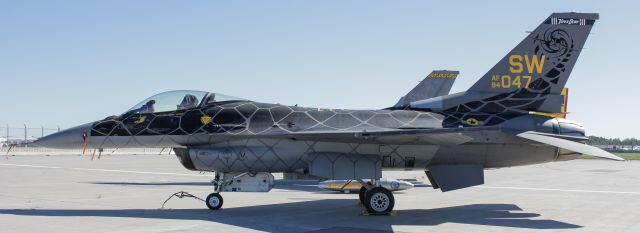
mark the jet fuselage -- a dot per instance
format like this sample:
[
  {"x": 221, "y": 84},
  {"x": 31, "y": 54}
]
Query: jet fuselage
[{"x": 236, "y": 136}]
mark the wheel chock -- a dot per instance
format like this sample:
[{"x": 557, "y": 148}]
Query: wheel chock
[{"x": 393, "y": 213}]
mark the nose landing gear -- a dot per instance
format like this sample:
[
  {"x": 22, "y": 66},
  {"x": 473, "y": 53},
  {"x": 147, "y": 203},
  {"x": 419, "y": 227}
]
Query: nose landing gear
[
  {"x": 237, "y": 182},
  {"x": 214, "y": 201}
]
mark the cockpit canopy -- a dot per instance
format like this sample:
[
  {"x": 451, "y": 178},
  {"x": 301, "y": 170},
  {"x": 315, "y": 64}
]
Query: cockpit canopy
[{"x": 179, "y": 100}]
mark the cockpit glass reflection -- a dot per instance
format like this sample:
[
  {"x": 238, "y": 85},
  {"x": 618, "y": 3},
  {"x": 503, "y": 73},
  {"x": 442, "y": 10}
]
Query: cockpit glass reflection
[
  {"x": 169, "y": 101},
  {"x": 178, "y": 100}
]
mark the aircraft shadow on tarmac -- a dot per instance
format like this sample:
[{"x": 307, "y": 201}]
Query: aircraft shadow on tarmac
[{"x": 330, "y": 215}]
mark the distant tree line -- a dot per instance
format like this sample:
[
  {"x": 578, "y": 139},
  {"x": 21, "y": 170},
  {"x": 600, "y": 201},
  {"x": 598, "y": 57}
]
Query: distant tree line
[{"x": 595, "y": 140}]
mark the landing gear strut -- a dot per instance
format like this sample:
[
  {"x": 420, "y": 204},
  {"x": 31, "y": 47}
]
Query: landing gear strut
[
  {"x": 363, "y": 190},
  {"x": 362, "y": 194},
  {"x": 214, "y": 200}
]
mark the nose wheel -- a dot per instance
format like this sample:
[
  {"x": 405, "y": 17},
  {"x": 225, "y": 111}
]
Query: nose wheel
[
  {"x": 378, "y": 200},
  {"x": 214, "y": 201}
]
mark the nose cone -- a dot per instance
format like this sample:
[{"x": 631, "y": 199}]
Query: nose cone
[{"x": 66, "y": 139}]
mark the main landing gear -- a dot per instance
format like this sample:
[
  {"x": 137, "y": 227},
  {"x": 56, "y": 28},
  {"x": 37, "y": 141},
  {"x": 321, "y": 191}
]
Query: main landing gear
[{"x": 376, "y": 199}]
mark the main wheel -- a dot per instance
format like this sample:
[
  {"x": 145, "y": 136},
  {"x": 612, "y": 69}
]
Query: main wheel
[
  {"x": 379, "y": 200},
  {"x": 362, "y": 194},
  {"x": 214, "y": 201}
]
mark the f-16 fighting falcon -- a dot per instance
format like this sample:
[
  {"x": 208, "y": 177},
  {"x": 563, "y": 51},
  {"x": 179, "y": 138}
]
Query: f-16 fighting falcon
[{"x": 509, "y": 117}]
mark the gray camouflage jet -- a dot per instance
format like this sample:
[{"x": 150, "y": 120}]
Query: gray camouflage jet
[{"x": 507, "y": 118}]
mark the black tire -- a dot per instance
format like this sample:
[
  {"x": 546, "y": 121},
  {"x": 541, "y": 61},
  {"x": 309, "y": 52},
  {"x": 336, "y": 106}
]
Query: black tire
[
  {"x": 214, "y": 201},
  {"x": 379, "y": 200},
  {"x": 362, "y": 194}
]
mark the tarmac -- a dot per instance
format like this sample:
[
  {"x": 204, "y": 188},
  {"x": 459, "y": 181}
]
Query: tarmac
[{"x": 124, "y": 193}]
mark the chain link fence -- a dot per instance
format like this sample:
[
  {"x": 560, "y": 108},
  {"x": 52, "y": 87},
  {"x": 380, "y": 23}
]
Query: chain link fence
[
  {"x": 20, "y": 135},
  {"x": 6, "y": 151},
  {"x": 14, "y": 140}
]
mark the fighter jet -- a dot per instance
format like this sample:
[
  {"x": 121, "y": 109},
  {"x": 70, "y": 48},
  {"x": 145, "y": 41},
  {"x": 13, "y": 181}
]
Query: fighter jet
[{"x": 505, "y": 119}]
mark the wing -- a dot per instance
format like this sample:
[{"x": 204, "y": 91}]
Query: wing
[
  {"x": 450, "y": 136},
  {"x": 454, "y": 136}
]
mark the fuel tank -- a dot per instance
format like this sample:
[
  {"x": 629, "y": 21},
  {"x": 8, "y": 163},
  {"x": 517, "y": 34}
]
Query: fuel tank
[
  {"x": 354, "y": 186},
  {"x": 240, "y": 159}
]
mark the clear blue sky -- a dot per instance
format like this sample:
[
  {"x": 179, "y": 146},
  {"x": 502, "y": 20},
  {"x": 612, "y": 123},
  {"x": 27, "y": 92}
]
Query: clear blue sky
[{"x": 71, "y": 62}]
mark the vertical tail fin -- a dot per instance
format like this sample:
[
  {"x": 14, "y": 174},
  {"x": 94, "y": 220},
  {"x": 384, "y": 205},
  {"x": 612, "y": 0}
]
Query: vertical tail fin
[
  {"x": 542, "y": 62},
  {"x": 530, "y": 78},
  {"x": 437, "y": 83}
]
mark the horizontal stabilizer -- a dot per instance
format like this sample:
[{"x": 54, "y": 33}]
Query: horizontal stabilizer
[{"x": 569, "y": 145}]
